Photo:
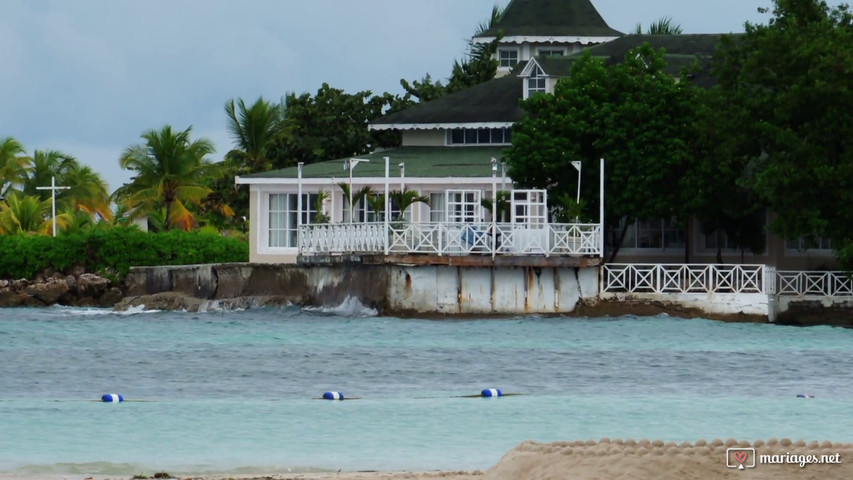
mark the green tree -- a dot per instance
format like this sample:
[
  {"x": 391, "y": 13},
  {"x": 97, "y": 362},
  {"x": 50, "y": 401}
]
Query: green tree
[
  {"x": 632, "y": 114},
  {"x": 255, "y": 130},
  {"x": 791, "y": 77},
  {"x": 664, "y": 26},
  {"x": 87, "y": 192},
  {"x": 477, "y": 66},
  {"x": 13, "y": 164},
  {"x": 171, "y": 169},
  {"x": 23, "y": 214},
  {"x": 331, "y": 124}
]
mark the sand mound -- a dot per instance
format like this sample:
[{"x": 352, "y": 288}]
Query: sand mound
[{"x": 657, "y": 460}]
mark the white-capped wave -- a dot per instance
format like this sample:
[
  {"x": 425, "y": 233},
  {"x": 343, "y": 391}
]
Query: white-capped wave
[{"x": 350, "y": 307}]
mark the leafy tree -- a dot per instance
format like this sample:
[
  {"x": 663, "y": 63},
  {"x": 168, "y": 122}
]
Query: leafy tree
[
  {"x": 87, "y": 192},
  {"x": 477, "y": 66},
  {"x": 791, "y": 77},
  {"x": 716, "y": 180},
  {"x": 664, "y": 26},
  {"x": 632, "y": 114},
  {"x": 255, "y": 130},
  {"x": 46, "y": 164},
  {"x": 331, "y": 124},
  {"x": 405, "y": 199},
  {"x": 170, "y": 173},
  {"x": 22, "y": 214},
  {"x": 13, "y": 164}
]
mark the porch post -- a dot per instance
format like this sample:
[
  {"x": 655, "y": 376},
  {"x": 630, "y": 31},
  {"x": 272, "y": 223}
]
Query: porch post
[
  {"x": 299, "y": 203},
  {"x": 387, "y": 203},
  {"x": 494, "y": 206},
  {"x": 601, "y": 208}
]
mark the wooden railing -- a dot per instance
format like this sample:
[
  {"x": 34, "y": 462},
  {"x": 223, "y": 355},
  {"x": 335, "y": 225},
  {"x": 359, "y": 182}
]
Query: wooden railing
[
  {"x": 441, "y": 238},
  {"x": 824, "y": 284},
  {"x": 666, "y": 278}
]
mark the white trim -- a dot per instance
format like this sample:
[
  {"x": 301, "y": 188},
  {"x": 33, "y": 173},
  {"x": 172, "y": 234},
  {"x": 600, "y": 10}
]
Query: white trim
[
  {"x": 544, "y": 39},
  {"x": 366, "y": 180},
  {"x": 529, "y": 67},
  {"x": 437, "y": 126}
]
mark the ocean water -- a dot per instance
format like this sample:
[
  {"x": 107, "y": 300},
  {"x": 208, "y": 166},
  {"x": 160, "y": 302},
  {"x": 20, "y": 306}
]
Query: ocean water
[{"x": 238, "y": 391}]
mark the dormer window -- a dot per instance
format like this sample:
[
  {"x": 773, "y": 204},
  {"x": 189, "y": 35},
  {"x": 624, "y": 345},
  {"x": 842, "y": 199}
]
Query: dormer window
[
  {"x": 479, "y": 136},
  {"x": 550, "y": 51},
  {"x": 507, "y": 57},
  {"x": 536, "y": 82}
]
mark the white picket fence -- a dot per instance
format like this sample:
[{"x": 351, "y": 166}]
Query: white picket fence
[
  {"x": 682, "y": 278},
  {"x": 443, "y": 238}
]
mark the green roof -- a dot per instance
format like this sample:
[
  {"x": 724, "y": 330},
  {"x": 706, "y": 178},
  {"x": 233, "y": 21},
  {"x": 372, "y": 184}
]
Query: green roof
[
  {"x": 680, "y": 51},
  {"x": 421, "y": 162},
  {"x": 551, "y": 18},
  {"x": 493, "y": 101}
]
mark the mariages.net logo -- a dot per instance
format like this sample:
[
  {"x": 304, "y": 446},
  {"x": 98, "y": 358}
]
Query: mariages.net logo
[{"x": 743, "y": 458}]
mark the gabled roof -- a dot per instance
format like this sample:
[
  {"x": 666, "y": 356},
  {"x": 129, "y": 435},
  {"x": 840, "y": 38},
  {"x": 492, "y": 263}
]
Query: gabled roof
[
  {"x": 549, "y": 18},
  {"x": 489, "y": 104},
  {"x": 421, "y": 162},
  {"x": 679, "y": 51}
]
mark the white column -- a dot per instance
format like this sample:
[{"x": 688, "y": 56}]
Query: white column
[
  {"x": 601, "y": 208},
  {"x": 387, "y": 202}
]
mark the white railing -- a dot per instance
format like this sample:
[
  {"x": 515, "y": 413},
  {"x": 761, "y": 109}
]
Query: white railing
[
  {"x": 664, "y": 278},
  {"x": 451, "y": 239},
  {"x": 824, "y": 284}
]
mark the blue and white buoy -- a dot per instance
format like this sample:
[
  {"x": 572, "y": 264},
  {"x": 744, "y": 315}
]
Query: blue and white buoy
[
  {"x": 805, "y": 395},
  {"x": 491, "y": 392},
  {"x": 112, "y": 398},
  {"x": 333, "y": 396}
]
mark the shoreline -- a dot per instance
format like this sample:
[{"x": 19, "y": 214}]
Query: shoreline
[{"x": 605, "y": 458}]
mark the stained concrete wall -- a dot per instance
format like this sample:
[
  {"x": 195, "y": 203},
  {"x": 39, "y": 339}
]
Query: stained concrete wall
[
  {"x": 715, "y": 303},
  {"x": 389, "y": 288}
]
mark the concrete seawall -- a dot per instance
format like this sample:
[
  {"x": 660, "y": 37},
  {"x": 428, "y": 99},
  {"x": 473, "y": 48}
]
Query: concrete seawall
[
  {"x": 391, "y": 289},
  {"x": 403, "y": 289}
]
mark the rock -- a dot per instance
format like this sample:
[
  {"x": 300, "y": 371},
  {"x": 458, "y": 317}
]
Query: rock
[
  {"x": 91, "y": 285},
  {"x": 161, "y": 301},
  {"x": 111, "y": 297},
  {"x": 71, "y": 281},
  {"x": 47, "y": 292},
  {"x": 9, "y": 298}
]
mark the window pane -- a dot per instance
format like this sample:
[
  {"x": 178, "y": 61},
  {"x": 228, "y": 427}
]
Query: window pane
[
  {"x": 470, "y": 135},
  {"x": 483, "y": 135},
  {"x": 457, "y": 136}
]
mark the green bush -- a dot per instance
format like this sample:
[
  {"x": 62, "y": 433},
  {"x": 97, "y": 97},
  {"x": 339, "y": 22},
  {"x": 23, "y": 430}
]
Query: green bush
[{"x": 118, "y": 249}]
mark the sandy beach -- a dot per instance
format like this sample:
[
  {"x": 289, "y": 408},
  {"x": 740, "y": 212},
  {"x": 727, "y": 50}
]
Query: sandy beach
[{"x": 628, "y": 459}]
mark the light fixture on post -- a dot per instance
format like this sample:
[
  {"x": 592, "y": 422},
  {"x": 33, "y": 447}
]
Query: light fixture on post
[
  {"x": 577, "y": 165},
  {"x": 494, "y": 205},
  {"x": 53, "y": 188},
  {"x": 350, "y": 165}
]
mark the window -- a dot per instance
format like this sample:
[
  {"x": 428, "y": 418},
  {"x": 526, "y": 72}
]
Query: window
[
  {"x": 283, "y": 209},
  {"x": 507, "y": 57},
  {"x": 529, "y": 207},
  {"x": 801, "y": 244},
  {"x": 464, "y": 206},
  {"x": 479, "y": 136},
  {"x": 550, "y": 52},
  {"x": 436, "y": 207},
  {"x": 536, "y": 82},
  {"x": 653, "y": 233}
]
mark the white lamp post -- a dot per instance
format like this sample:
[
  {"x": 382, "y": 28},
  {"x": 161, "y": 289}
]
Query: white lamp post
[
  {"x": 53, "y": 188},
  {"x": 577, "y": 166},
  {"x": 494, "y": 205}
]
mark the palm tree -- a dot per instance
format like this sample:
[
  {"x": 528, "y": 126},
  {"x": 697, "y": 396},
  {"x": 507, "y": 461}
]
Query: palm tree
[
  {"x": 46, "y": 164},
  {"x": 170, "y": 173},
  {"x": 13, "y": 164},
  {"x": 87, "y": 192},
  {"x": 22, "y": 214},
  {"x": 664, "y": 26},
  {"x": 364, "y": 192},
  {"x": 255, "y": 130},
  {"x": 406, "y": 199}
]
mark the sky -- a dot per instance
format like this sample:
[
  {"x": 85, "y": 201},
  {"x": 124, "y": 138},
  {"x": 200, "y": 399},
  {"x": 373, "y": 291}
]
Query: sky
[{"x": 88, "y": 77}]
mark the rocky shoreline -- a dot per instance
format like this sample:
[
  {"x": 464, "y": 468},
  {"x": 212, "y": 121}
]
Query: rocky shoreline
[{"x": 78, "y": 289}]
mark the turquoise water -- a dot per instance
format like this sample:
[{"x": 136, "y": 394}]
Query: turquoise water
[{"x": 236, "y": 391}]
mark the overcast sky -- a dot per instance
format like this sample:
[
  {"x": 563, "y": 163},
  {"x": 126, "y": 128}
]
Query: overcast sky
[{"x": 87, "y": 77}]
